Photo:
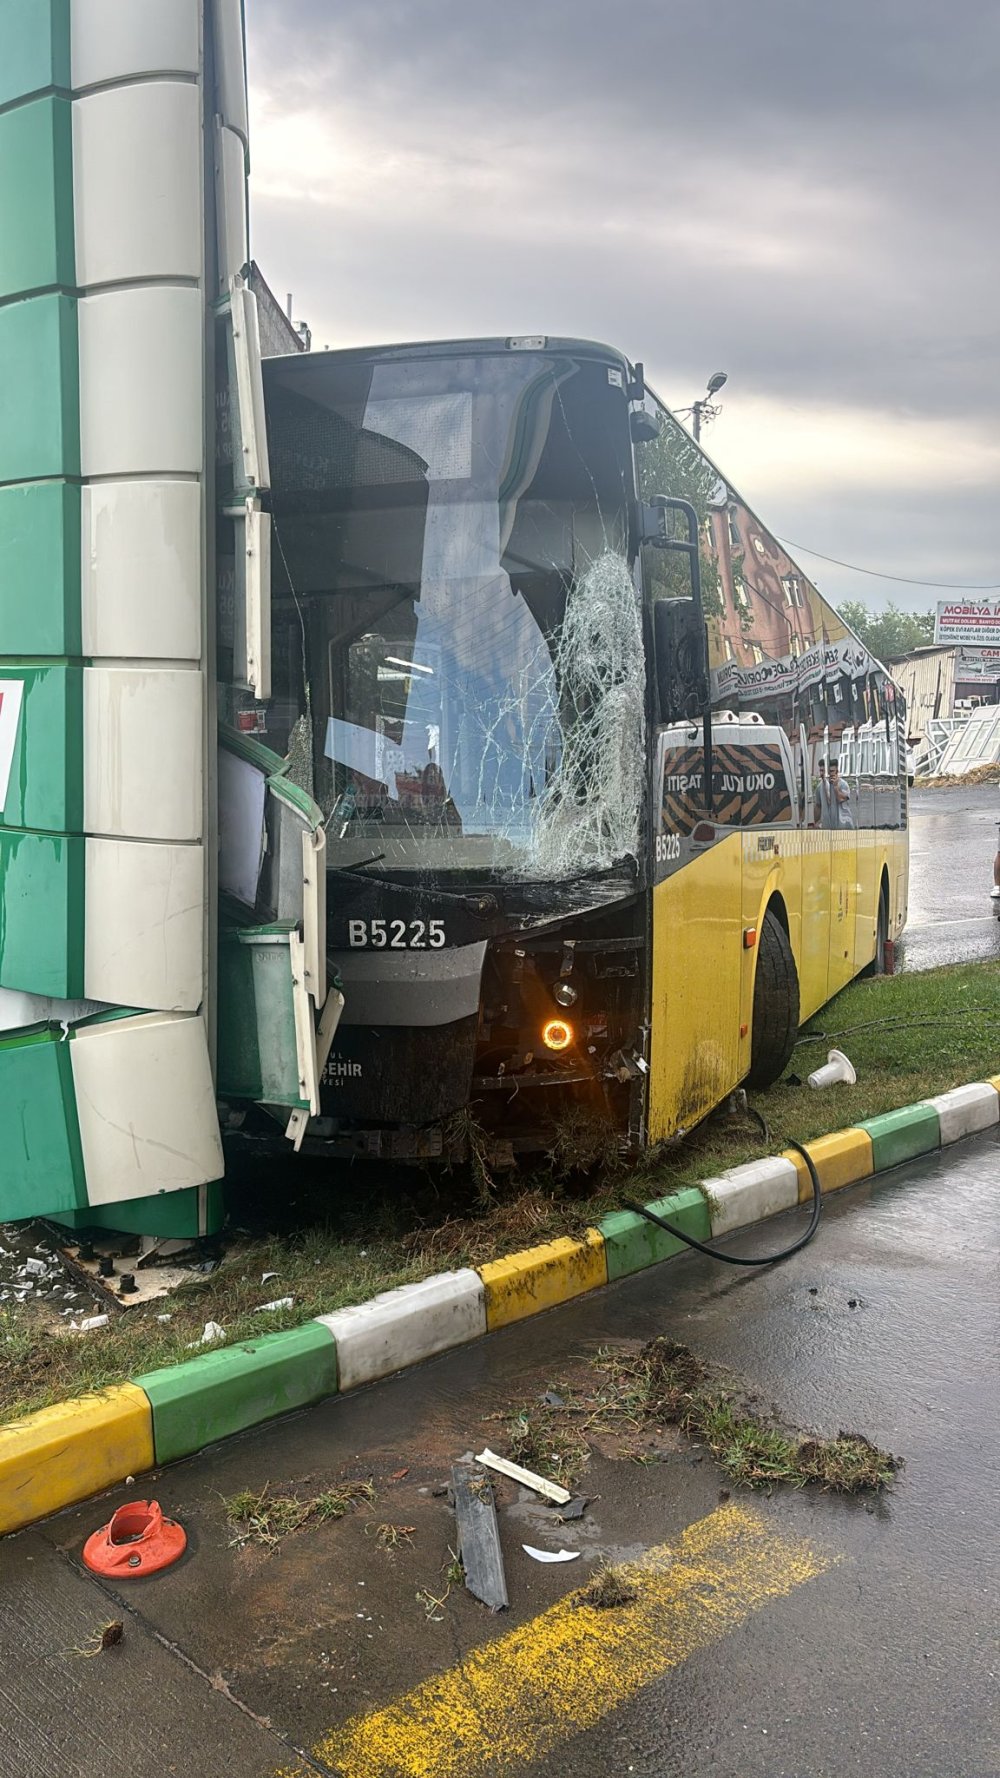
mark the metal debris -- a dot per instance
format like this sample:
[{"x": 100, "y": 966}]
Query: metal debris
[
  {"x": 574, "y": 1509},
  {"x": 479, "y": 1537}
]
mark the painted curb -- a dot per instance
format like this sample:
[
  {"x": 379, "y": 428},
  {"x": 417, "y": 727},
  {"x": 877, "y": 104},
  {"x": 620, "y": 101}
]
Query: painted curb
[
  {"x": 65, "y": 1454},
  {"x": 196, "y": 1403},
  {"x": 750, "y": 1192},
  {"x": 402, "y": 1327}
]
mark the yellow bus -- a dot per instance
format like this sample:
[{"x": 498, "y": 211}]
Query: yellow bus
[{"x": 613, "y": 799}]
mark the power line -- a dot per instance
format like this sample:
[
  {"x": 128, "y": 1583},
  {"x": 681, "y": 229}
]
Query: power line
[{"x": 948, "y": 586}]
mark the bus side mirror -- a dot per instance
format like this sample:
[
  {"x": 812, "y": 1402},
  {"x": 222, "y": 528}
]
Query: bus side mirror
[{"x": 680, "y": 641}]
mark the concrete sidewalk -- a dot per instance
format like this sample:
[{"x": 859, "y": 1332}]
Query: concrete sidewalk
[{"x": 237, "y": 1660}]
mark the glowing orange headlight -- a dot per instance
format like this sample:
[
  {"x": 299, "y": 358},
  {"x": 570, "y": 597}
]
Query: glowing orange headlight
[{"x": 557, "y": 1034}]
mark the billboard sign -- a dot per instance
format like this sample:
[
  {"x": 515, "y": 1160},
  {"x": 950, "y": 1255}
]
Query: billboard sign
[
  {"x": 968, "y": 623},
  {"x": 979, "y": 664}
]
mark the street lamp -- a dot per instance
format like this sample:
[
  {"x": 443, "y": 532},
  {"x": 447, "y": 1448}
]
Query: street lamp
[{"x": 705, "y": 407}]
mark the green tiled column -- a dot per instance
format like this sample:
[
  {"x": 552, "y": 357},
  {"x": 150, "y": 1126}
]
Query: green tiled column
[
  {"x": 50, "y": 796},
  {"x": 39, "y": 387},
  {"x": 42, "y": 849},
  {"x": 35, "y": 38},
  {"x": 41, "y": 900},
  {"x": 40, "y": 569},
  {"x": 39, "y": 1136},
  {"x": 36, "y": 206}
]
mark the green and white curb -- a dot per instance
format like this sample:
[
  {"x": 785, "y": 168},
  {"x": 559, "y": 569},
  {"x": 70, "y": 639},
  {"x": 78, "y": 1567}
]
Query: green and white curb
[{"x": 64, "y": 1454}]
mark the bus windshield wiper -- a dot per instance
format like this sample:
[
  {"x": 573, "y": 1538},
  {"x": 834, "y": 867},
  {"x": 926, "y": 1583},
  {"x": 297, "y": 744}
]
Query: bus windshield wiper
[{"x": 341, "y": 870}]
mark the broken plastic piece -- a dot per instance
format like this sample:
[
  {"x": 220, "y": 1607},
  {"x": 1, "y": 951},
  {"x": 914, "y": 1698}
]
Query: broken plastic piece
[
  {"x": 835, "y": 1069},
  {"x": 91, "y": 1321},
  {"x": 136, "y": 1540},
  {"x": 212, "y": 1331},
  {"x": 280, "y": 1302},
  {"x": 549, "y": 1555},
  {"x": 527, "y": 1477},
  {"x": 575, "y": 1509}
]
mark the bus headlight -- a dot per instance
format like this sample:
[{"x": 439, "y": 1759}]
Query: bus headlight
[{"x": 557, "y": 1034}]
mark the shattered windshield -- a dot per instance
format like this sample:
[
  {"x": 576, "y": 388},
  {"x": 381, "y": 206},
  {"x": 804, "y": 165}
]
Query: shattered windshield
[{"x": 458, "y": 668}]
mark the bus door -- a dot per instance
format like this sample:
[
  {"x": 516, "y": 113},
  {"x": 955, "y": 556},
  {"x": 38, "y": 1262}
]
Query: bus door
[
  {"x": 814, "y": 957},
  {"x": 697, "y": 933},
  {"x": 844, "y": 885}
]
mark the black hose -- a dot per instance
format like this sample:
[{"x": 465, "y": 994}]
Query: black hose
[{"x": 737, "y": 1259}]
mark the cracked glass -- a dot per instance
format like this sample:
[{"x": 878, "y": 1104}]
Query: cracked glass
[{"x": 458, "y": 672}]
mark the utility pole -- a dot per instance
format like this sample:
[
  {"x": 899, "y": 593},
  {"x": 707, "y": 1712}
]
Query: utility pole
[{"x": 705, "y": 405}]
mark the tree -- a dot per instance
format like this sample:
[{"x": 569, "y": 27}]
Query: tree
[{"x": 890, "y": 632}]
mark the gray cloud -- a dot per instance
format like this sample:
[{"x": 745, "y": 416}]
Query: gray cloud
[{"x": 800, "y": 195}]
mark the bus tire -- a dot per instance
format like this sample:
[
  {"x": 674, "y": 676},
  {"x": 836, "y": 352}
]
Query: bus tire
[
  {"x": 877, "y": 964},
  {"x": 775, "y": 1005}
]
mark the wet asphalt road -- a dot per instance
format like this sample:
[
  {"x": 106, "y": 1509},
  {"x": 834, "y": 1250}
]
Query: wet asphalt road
[
  {"x": 953, "y": 837},
  {"x": 886, "y": 1664}
]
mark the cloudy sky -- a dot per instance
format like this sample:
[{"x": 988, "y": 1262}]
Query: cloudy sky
[{"x": 803, "y": 196}]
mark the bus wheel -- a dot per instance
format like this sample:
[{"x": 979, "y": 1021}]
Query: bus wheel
[
  {"x": 877, "y": 964},
  {"x": 775, "y": 1005}
]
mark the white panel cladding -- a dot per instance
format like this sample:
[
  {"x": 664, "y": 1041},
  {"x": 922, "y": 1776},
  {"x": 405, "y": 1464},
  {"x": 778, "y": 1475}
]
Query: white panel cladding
[
  {"x": 142, "y": 752},
  {"x": 141, "y": 381},
  {"x": 230, "y": 69},
  {"x": 231, "y": 205},
  {"x": 17, "y": 1009},
  {"x": 144, "y": 935},
  {"x": 146, "y": 1106},
  {"x": 112, "y": 39},
  {"x": 141, "y": 570},
  {"x": 137, "y": 206}
]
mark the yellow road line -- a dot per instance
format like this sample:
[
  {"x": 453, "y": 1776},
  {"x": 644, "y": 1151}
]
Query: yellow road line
[{"x": 515, "y": 1699}]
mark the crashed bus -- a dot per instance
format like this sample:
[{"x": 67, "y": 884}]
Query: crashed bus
[{"x": 569, "y": 712}]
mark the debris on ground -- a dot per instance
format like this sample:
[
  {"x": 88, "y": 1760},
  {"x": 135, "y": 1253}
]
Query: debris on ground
[
  {"x": 608, "y": 1589},
  {"x": 211, "y": 1332},
  {"x": 539, "y": 1484},
  {"x": 265, "y": 1518},
  {"x": 549, "y": 1555},
  {"x": 574, "y": 1509},
  {"x": 280, "y": 1302},
  {"x": 434, "y": 1603},
  {"x": 642, "y": 1391},
  {"x": 393, "y": 1537},
  {"x": 108, "y": 1636},
  {"x": 137, "y": 1540},
  {"x": 543, "y": 1439},
  {"x": 665, "y": 1383},
  {"x": 479, "y": 1536}
]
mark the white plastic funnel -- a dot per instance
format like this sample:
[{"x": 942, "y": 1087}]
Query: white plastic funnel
[{"x": 835, "y": 1068}]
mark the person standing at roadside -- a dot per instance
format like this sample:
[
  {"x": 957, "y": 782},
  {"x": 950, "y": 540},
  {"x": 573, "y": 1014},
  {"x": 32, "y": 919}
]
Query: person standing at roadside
[
  {"x": 839, "y": 792},
  {"x": 821, "y": 798}
]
